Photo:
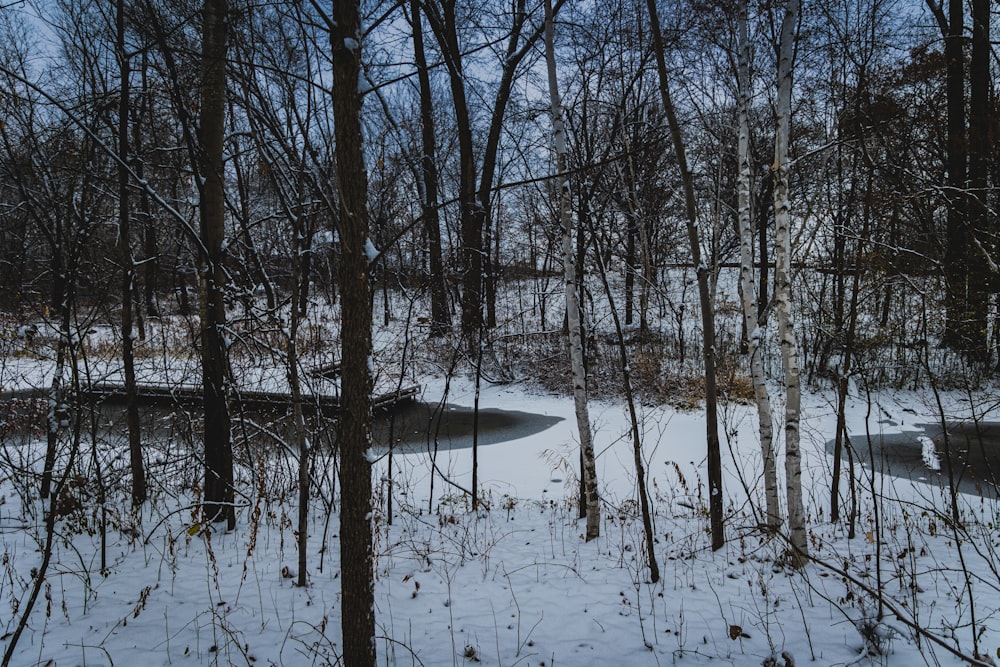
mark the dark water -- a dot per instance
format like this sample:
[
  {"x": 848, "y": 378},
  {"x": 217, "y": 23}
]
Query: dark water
[
  {"x": 415, "y": 426},
  {"x": 973, "y": 450},
  {"x": 412, "y": 426}
]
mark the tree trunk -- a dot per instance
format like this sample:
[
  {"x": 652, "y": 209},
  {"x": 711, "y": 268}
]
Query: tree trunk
[
  {"x": 980, "y": 148},
  {"x": 298, "y": 421},
  {"x": 474, "y": 202},
  {"x": 127, "y": 266},
  {"x": 440, "y": 315},
  {"x": 357, "y": 583},
  {"x": 589, "y": 467},
  {"x": 841, "y": 437},
  {"x": 751, "y": 314},
  {"x": 512, "y": 58},
  {"x": 715, "y": 503},
  {"x": 61, "y": 298},
  {"x": 470, "y": 223},
  {"x": 218, "y": 499},
  {"x": 958, "y": 323},
  {"x": 630, "y": 266},
  {"x": 765, "y": 201},
  {"x": 783, "y": 297},
  {"x": 640, "y": 469},
  {"x": 151, "y": 261}
]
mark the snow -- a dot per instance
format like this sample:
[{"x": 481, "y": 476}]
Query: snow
[
  {"x": 371, "y": 252},
  {"x": 513, "y": 582},
  {"x": 364, "y": 86},
  {"x": 929, "y": 453}
]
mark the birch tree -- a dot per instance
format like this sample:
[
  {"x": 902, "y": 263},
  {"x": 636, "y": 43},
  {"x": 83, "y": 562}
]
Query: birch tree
[
  {"x": 783, "y": 297},
  {"x": 572, "y": 302},
  {"x": 752, "y": 317}
]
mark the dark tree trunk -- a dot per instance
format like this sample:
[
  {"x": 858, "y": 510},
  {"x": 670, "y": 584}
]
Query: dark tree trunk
[
  {"x": 128, "y": 266},
  {"x": 219, "y": 496},
  {"x": 357, "y": 584},
  {"x": 440, "y": 315},
  {"x": 484, "y": 194},
  {"x": 60, "y": 304},
  {"x": 470, "y": 219},
  {"x": 980, "y": 145},
  {"x": 764, "y": 203},
  {"x": 958, "y": 329},
  {"x": 151, "y": 261},
  {"x": 474, "y": 202},
  {"x": 715, "y": 499},
  {"x": 630, "y": 271},
  {"x": 305, "y": 269}
]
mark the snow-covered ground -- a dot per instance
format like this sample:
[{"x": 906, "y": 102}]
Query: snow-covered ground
[
  {"x": 516, "y": 584},
  {"x": 513, "y": 583}
]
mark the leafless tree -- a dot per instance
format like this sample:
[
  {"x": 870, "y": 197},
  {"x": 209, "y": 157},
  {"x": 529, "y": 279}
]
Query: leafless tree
[{"x": 355, "y": 437}]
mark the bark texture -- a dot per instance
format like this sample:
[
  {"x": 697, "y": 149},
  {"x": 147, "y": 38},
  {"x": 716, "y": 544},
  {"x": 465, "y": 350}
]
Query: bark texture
[
  {"x": 579, "y": 375},
  {"x": 440, "y": 315},
  {"x": 783, "y": 291},
  {"x": 218, "y": 499},
  {"x": 715, "y": 502},
  {"x": 127, "y": 266},
  {"x": 752, "y": 319},
  {"x": 981, "y": 145},
  {"x": 357, "y": 581}
]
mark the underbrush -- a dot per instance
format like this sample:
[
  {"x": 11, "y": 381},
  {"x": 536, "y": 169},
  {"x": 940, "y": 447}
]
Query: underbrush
[
  {"x": 660, "y": 379},
  {"x": 513, "y": 584}
]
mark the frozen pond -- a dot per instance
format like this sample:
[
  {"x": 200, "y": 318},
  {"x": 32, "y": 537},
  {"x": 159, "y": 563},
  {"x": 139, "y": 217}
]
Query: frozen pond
[
  {"x": 415, "y": 426},
  {"x": 973, "y": 451},
  {"x": 412, "y": 426}
]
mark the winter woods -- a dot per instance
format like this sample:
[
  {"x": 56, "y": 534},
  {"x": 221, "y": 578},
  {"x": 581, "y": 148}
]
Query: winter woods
[{"x": 260, "y": 228}]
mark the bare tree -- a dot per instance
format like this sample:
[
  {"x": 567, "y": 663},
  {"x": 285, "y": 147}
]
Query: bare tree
[
  {"x": 475, "y": 198},
  {"x": 428, "y": 185},
  {"x": 715, "y": 500},
  {"x": 783, "y": 289},
  {"x": 982, "y": 128},
  {"x": 355, "y": 437},
  {"x": 219, "y": 493},
  {"x": 572, "y": 286},
  {"x": 127, "y": 263},
  {"x": 752, "y": 316},
  {"x": 966, "y": 303}
]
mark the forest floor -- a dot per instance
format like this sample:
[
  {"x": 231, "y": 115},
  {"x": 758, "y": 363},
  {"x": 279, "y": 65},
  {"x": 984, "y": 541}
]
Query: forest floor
[{"x": 513, "y": 582}]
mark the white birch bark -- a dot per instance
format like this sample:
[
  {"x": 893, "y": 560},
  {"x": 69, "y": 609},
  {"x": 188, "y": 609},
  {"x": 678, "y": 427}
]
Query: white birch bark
[
  {"x": 747, "y": 288},
  {"x": 572, "y": 302},
  {"x": 783, "y": 299}
]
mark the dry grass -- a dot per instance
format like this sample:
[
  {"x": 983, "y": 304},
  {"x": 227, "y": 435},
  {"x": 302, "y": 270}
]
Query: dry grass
[{"x": 656, "y": 377}]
